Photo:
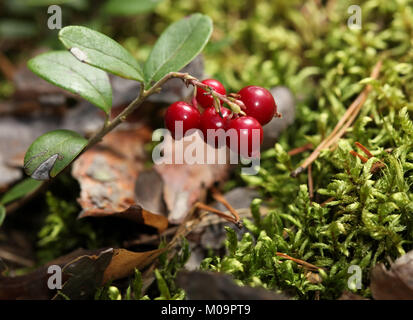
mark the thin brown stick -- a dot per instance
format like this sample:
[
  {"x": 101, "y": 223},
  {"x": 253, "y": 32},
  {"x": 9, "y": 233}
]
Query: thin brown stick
[
  {"x": 345, "y": 122},
  {"x": 205, "y": 207},
  {"x": 220, "y": 198},
  {"x": 301, "y": 149},
  {"x": 364, "y": 149},
  {"x": 327, "y": 201},
  {"x": 301, "y": 262},
  {"x": 8, "y": 255},
  {"x": 376, "y": 166},
  {"x": 310, "y": 183},
  {"x": 356, "y": 154}
]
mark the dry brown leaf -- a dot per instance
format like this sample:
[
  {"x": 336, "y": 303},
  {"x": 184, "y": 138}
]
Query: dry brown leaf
[
  {"x": 83, "y": 272},
  {"x": 85, "y": 275},
  {"x": 395, "y": 283},
  {"x": 34, "y": 284},
  {"x": 124, "y": 262},
  {"x": 107, "y": 174}
]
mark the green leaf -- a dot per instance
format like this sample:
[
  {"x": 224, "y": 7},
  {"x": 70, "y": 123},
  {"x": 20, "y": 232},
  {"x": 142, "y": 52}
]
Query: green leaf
[
  {"x": 2, "y": 214},
  {"x": 129, "y": 7},
  {"x": 100, "y": 51},
  {"x": 22, "y": 188},
  {"x": 63, "y": 70},
  {"x": 52, "y": 152},
  {"x": 162, "y": 285},
  {"x": 177, "y": 46}
]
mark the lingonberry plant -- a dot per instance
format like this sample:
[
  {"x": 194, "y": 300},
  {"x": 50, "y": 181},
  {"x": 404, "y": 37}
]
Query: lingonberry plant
[{"x": 82, "y": 70}]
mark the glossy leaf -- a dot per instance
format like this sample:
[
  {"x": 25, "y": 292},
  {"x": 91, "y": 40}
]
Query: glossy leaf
[
  {"x": 178, "y": 45},
  {"x": 22, "y": 188},
  {"x": 63, "y": 70},
  {"x": 52, "y": 152},
  {"x": 100, "y": 51},
  {"x": 130, "y": 7}
]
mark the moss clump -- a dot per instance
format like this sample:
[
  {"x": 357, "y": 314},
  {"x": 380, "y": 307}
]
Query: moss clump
[
  {"x": 62, "y": 232},
  {"x": 326, "y": 64}
]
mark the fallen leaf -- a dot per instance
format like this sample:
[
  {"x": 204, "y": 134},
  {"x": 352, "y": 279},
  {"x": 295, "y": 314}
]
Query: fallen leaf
[
  {"x": 85, "y": 275},
  {"x": 83, "y": 272},
  {"x": 395, "y": 283},
  {"x": 34, "y": 284},
  {"x": 107, "y": 174},
  {"x": 124, "y": 262},
  {"x": 150, "y": 199}
]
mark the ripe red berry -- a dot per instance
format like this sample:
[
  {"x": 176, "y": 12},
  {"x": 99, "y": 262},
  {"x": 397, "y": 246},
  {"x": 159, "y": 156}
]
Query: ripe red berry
[
  {"x": 246, "y": 130},
  {"x": 182, "y": 111},
  {"x": 207, "y": 100},
  {"x": 259, "y": 103},
  {"x": 210, "y": 119}
]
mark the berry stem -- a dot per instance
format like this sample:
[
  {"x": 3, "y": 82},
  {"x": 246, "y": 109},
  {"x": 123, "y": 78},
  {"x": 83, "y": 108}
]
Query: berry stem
[{"x": 236, "y": 105}]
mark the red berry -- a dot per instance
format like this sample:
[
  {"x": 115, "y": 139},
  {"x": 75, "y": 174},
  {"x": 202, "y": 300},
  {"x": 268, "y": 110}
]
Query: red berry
[
  {"x": 182, "y": 111},
  {"x": 207, "y": 100},
  {"x": 245, "y": 137},
  {"x": 259, "y": 102},
  {"x": 210, "y": 119}
]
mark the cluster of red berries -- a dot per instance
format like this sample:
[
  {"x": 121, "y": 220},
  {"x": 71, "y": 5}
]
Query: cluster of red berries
[{"x": 260, "y": 108}]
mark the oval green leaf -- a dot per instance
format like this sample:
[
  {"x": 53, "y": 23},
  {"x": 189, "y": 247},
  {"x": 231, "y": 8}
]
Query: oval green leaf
[
  {"x": 100, "y": 51},
  {"x": 130, "y": 7},
  {"x": 21, "y": 189},
  {"x": 178, "y": 45},
  {"x": 63, "y": 70},
  {"x": 2, "y": 214},
  {"x": 52, "y": 152}
]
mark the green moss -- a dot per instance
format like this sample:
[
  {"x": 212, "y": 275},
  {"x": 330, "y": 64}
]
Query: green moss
[
  {"x": 62, "y": 232},
  {"x": 311, "y": 50}
]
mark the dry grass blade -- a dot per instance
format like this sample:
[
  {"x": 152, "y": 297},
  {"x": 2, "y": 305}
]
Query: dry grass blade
[
  {"x": 220, "y": 198},
  {"x": 345, "y": 122},
  {"x": 300, "y": 262}
]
